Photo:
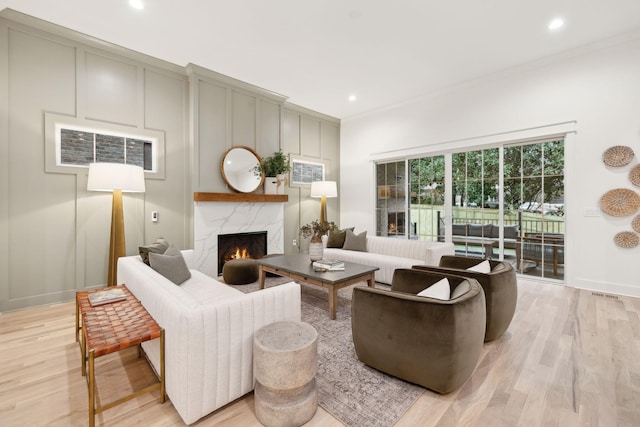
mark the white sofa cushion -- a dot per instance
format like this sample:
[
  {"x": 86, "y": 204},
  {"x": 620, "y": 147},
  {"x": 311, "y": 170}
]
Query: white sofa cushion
[
  {"x": 388, "y": 253},
  {"x": 386, "y": 263}
]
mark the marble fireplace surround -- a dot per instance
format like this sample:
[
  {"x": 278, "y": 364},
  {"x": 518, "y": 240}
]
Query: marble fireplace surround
[{"x": 225, "y": 213}]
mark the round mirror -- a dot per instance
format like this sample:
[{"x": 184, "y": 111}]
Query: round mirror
[{"x": 237, "y": 167}]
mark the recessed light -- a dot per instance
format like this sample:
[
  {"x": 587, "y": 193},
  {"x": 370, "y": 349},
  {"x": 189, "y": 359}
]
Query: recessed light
[
  {"x": 352, "y": 98},
  {"x": 136, "y": 4},
  {"x": 556, "y": 24}
]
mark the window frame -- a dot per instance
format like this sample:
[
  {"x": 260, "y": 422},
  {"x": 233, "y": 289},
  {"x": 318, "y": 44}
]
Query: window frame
[{"x": 54, "y": 124}]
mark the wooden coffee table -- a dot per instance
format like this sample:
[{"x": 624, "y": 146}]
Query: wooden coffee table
[
  {"x": 109, "y": 328},
  {"x": 299, "y": 267}
]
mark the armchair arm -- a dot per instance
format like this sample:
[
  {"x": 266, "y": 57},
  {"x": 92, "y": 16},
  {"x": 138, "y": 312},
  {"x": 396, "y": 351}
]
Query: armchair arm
[
  {"x": 412, "y": 281},
  {"x": 454, "y": 261}
]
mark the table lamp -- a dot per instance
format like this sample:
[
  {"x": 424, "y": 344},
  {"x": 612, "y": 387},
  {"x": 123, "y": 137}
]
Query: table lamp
[
  {"x": 118, "y": 178},
  {"x": 323, "y": 189}
]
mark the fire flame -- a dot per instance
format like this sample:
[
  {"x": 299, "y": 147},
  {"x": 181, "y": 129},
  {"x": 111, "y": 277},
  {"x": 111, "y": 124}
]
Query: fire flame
[{"x": 240, "y": 253}]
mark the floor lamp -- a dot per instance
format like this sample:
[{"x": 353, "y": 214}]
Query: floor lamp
[
  {"x": 118, "y": 178},
  {"x": 323, "y": 189}
]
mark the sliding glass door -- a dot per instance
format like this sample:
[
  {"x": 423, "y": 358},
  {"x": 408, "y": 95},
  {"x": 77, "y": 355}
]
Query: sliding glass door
[
  {"x": 426, "y": 198},
  {"x": 475, "y": 220},
  {"x": 411, "y": 205},
  {"x": 534, "y": 194},
  {"x": 507, "y": 202}
]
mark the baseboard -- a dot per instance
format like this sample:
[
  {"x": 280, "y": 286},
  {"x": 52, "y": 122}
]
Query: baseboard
[{"x": 608, "y": 288}]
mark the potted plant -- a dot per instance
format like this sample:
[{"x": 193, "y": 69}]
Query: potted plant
[
  {"x": 274, "y": 167},
  {"x": 316, "y": 230}
]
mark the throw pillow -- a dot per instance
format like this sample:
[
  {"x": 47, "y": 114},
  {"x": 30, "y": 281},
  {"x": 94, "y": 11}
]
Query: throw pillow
[
  {"x": 439, "y": 290},
  {"x": 499, "y": 267},
  {"x": 355, "y": 242},
  {"x": 160, "y": 246},
  {"x": 336, "y": 238},
  {"x": 462, "y": 288},
  {"x": 171, "y": 265},
  {"x": 483, "y": 267}
]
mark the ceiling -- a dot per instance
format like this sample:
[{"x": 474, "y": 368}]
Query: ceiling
[{"x": 317, "y": 53}]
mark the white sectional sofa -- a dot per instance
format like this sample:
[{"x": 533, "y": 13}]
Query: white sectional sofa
[
  {"x": 390, "y": 253},
  {"x": 209, "y": 329}
]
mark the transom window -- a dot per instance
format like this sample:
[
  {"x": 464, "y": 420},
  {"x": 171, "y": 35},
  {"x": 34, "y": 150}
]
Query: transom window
[
  {"x": 72, "y": 143},
  {"x": 76, "y": 146}
]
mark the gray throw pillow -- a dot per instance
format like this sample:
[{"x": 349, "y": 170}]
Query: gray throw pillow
[
  {"x": 171, "y": 265},
  {"x": 336, "y": 238},
  {"x": 160, "y": 246},
  {"x": 355, "y": 242}
]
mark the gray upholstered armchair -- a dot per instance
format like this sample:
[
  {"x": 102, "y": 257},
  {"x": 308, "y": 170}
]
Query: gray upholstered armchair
[
  {"x": 500, "y": 289},
  {"x": 431, "y": 342}
]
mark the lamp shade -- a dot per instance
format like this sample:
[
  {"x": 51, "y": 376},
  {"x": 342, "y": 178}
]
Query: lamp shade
[
  {"x": 324, "y": 188},
  {"x": 115, "y": 176}
]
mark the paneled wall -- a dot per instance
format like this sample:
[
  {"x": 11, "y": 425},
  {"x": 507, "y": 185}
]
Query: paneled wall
[
  {"x": 316, "y": 138},
  {"x": 54, "y": 235},
  {"x": 228, "y": 112}
]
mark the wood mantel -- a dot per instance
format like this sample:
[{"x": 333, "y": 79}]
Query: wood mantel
[{"x": 240, "y": 197}]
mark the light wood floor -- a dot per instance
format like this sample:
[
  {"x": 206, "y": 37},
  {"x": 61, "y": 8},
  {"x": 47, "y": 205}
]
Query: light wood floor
[{"x": 569, "y": 358}]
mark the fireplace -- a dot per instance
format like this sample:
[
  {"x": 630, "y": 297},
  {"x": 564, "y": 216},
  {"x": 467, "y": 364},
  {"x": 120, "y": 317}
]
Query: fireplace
[
  {"x": 225, "y": 213},
  {"x": 241, "y": 245},
  {"x": 396, "y": 223}
]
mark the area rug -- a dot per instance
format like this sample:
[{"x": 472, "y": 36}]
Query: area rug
[{"x": 357, "y": 395}]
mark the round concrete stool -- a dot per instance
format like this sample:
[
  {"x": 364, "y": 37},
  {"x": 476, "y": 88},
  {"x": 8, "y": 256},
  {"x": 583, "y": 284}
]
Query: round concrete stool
[
  {"x": 285, "y": 359},
  {"x": 240, "y": 271}
]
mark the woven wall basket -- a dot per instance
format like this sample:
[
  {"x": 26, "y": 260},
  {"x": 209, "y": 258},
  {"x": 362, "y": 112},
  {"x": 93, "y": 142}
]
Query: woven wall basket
[
  {"x": 618, "y": 155},
  {"x": 635, "y": 224},
  {"x": 620, "y": 202},
  {"x": 627, "y": 239},
  {"x": 634, "y": 175}
]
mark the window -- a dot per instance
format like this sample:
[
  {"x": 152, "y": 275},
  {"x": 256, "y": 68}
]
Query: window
[
  {"x": 79, "y": 147},
  {"x": 534, "y": 198},
  {"x": 475, "y": 178},
  {"x": 426, "y": 201},
  {"x": 506, "y": 202},
  {"x": 71, "y": 144},
  {"x": 391, "y": 205}
]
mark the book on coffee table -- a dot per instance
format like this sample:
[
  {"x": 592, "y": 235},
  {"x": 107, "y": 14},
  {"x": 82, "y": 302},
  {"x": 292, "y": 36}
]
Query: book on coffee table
[
  {"x": 329, "y": 264},
  {"x": 106, "y": 296}
]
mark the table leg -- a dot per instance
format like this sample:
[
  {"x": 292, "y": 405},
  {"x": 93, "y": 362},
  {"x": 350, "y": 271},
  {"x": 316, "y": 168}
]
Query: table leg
[
  {"x": 162, "y": 382},
  {"x": 371, "y": 280},
  {"x": 261, "y": 276},
  {"x": 333, "y": 300},
  {"x": 77, "y": 319},
  {"x": 488, "y": 250},
  {"x": 83, "y": 350},
  {"x": 92, "y": 391}
]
